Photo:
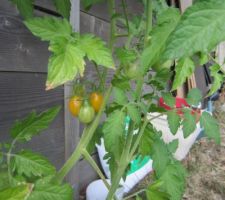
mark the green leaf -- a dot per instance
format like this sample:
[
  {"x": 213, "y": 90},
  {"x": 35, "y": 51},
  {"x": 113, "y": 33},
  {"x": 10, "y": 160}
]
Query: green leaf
[
  {"x": 160, "y": 156},
  {"x": 49, "y": 28},
  {"x": 169, "y": 99},
  {"x": 184, "y": 69},
  {"x": 188, "y": 123},
  {"x": 211, "y": 127},
  {"x": 4, "y": 179},
  {"x": 173, "y": 180},
  {"x": 196, "y": 30},
  {"x": 87, "y": 4},
  {"x": 65, "y": 63},
  {"x": 119, "y": 96},
  {"x": 96, "y": 50},
  {"x": 31, "y": 164},
  {"x": 194, "y": 97},
  {"x": 126, "y": 56},
  {"x": 134, "y": 113},
  {"x": 174, "y": 121},
  {"x": 217, "y": 79},
  {"x": 114, "y": 132},
  {"x": 172, "y": 146},
  {"x": 63, "y": 7},
  {"x": 25, "y": 7},
  {"x": 121, "y": 82},
  {"x": 33, "y": 124},
  {"x": 46, "y": 191},
  {"x": 15, "y": 193},
  {"x": 154, "y": 192},
  {"x": 159, "y": 36}
]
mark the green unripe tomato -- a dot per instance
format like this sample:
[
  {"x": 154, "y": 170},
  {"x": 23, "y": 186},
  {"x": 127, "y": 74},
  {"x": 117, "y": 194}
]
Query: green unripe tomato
[
  {"x": 86, "y": 114},
  {"x": 132, "y": 70}
]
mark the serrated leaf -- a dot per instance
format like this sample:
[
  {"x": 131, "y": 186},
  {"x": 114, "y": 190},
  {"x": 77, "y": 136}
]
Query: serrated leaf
[
  {"x": 159, "y": 37},
  {"x": 66, "y": 62},
  {"x": 31, "y": 164},
  {"x": 15, "y": 193},
  {"x": 114, "y": 131},
  {"x": 154, "y": 192},
  {"x": 169, "y": 99},
  {"x": 46, "y": 191},
  {"x": 126, "y": 56},
  {"x": 196, "y": 30},
  {"x": 188, "y": 123},
  {"x": 25, "y": 7},
  {"x": 211, "y": 127},
  {"x": 134, "y": 113},
  {"x": 119, "y": 96},
  {"x": 49, "y": 28},
  {"x": 194, "y": 97},
  {"x": 33, "y": 124},
  {"x": 173, "y": 180},
  {"x": 172, "y": 146},
  {"x": 63, "y": 7},
  {"x": 184, "y": 69},
  {"x": 217, "y": 79},
  {"x": 174, "y": 121},
  {"x": 121, "y": 82},
  {"x": 96, "y": 50}
]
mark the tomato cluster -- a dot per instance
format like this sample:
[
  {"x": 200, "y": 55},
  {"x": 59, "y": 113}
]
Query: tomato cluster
[{"x": 85, "y": 109}]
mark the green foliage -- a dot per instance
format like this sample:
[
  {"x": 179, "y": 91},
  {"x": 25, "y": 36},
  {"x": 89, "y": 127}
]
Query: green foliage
[
  {"x": 125, "y": 56},
  {"x": 188, "y": 123},
  {"x": 31, "y": 164},
  {"x": 63, "y": 7},
  {"x": 47, "y": 191},
  {"x": 96, "y": 50},
  {"x": 173, "y": 179},
  {"x": 184, "y": 69},
  {"x": 25, "y": 7},
  {"x": 119, "y": 96},
  {"x": 217, "y": 79},
  {"x": 196, "y": 30},
  {"x": 33, "y": 124},
  {"x": 155, "y": 192},
  {"x": 194, "y": 97},
  {"x": 159, "y": 36},
  {"x": 49, "y": 28},
  {"x": 211, "y": 126},
  {"x": 169, "y": 99},
  {"x": 173, "y": 120},
  {"x": 20, "y": 192},
  {"x": 113, "y": 130},
  {"x": 134, "y": 113}
]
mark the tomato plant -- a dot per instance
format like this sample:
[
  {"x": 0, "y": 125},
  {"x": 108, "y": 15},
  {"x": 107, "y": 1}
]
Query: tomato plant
[{"x": 158, "y": 42}]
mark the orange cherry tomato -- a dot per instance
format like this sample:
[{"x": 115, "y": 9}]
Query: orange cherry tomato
[
  {"x": 96, "y": 100},
  {"x": 75, "y": 104}
]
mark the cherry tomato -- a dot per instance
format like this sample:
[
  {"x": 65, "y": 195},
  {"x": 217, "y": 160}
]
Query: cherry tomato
[
  {"x": 74, "y": 105},
  {"x": 87, "y": 113},
  {"x": 132, "y": 71},
  {"x": 96, "y": 100}
]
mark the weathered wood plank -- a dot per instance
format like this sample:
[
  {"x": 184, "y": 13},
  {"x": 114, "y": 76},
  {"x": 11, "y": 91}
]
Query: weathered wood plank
[
  {"x": 20, "y": 93},
  {"x": 19, "y": 50}
]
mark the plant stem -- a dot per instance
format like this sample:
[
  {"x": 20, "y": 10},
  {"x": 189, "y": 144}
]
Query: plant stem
[
  {"x": 126, "y": 15},
  {"x": 95, "y": 167},
  {"x": 148, "y": 21},
  {"x": 102, "y": 83},
  {"x": 134, "y": 194},
  {"x": 123, "y": 163},
  {"x": 85, "y": 139}
]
